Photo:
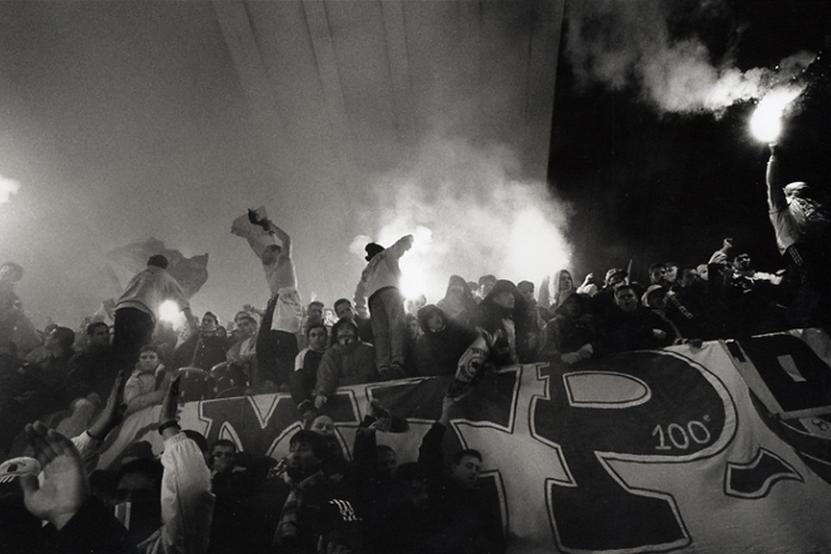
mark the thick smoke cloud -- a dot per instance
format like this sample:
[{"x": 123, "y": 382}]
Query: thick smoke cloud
[
  {"x": 630, "y": 44},
  {"x": 469, "y": 217}
]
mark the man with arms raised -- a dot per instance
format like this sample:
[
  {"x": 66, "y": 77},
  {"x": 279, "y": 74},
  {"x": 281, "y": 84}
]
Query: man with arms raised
[{"x": 379, "y": 283}]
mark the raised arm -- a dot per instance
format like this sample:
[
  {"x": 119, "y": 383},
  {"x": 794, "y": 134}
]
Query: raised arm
[
  {"x": 187, "y": 501},
  {"x": 773, "y": 177},
  {"x": 430, "y": 453},
  {"x": 402, "y": 245},
  {"x": 285, "y": 239},
  {"x": 61, "y": 496}
]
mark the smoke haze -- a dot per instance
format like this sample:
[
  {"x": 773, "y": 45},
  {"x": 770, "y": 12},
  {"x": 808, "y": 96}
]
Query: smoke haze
[
  {"x": 131, "y": 120},
  {"x": 469, "y": 216},
  {"x": 630, "y": 44}
]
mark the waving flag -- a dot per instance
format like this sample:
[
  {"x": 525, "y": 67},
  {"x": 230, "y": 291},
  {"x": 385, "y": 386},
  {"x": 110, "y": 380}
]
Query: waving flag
[{"x": 191, "y": 273}]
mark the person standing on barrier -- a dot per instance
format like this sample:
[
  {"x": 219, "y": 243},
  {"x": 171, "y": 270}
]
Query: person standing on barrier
[
  {"x": 379, "y": 284},
  {"x": 137, "y": 310},
  {"x": 277, "y": 338}
]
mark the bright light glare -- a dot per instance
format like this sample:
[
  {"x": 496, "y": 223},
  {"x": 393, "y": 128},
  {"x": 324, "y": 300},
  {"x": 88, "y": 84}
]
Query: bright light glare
[
  {"x": 7, "y": 188},
  {"x": 169, "y": 311},
  {"x": 535, "y": 249},
  {"x": 766, "y": 122},
  {"x": 414, "y": 281},
  {"x": 416, "y": 277}
]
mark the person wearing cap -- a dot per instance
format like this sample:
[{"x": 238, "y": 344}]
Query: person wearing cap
[
  {"x": 801, "y": 224},
  {"x": 318, "y": 514},
  {"x": 378, "y": 288}
]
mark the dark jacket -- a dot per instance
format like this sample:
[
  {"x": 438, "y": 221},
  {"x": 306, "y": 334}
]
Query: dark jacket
[
  {"x": 438, "y": 353},
  {"x": 470, "y": 524},
  {"x": 635, "y": 330}
]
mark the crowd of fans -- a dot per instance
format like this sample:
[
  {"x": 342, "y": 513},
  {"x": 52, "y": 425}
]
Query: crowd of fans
[
  {"x": 201, "y": 498},
  {"x": 418, "y": 507}
]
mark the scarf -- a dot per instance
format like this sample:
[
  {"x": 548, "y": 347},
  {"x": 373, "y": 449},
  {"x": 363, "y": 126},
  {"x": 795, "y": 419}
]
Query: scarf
[
  {"x": 809, "y": 216},
  {"x": 287, "y": 528}
]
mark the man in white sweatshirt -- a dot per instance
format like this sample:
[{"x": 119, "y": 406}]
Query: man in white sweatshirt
[{"x": 379, "y": 283}]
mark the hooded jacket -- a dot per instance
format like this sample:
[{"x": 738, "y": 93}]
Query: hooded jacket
[{"x": 438, "y": 352}]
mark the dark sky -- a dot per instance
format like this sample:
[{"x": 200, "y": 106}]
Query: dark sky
[{"x": 651, "y": 184}]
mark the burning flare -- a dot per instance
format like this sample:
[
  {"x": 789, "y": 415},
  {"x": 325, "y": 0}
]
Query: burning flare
[
  {"x": 766, "y": 122},
  {"x": 169, "y": 311}
]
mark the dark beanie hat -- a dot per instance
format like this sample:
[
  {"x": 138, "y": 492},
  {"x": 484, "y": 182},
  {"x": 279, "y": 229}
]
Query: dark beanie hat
[{"x": 373, "y": 249}]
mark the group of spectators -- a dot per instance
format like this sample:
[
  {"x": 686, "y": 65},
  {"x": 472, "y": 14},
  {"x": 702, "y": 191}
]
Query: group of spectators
[{"x": 218, "y": 499}]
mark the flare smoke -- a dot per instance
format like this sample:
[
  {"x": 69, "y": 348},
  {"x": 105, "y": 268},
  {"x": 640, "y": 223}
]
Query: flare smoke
[
  {"x": 628, "y": 43},
  {"x": 468, "y": 216}
]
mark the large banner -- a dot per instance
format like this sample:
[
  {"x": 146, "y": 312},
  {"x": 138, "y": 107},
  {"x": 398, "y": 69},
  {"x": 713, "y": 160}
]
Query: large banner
[{"x": 723, "y": 448}]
